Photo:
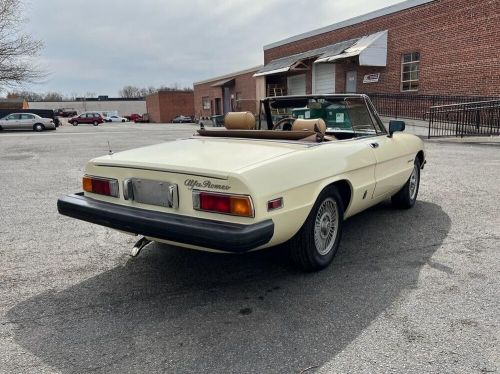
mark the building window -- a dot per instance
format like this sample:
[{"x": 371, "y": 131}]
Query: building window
[
  {"x": 205, "y": 101},
  {"x": 410, "y": 70},
  {"x": 238, "y": 101}
]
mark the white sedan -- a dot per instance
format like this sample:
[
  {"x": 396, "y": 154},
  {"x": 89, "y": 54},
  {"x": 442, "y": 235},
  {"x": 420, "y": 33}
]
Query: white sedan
[
  {"x": 115, "y": 119},
  {"x": 292, "y": 179}
]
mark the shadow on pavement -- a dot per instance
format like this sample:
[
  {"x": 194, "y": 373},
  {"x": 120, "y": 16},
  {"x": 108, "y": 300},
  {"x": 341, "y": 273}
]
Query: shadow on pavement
[{"x": 172, "y": 309}]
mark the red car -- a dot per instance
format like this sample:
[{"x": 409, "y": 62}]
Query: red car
[
  {"x": 134, "y": 117},
  {"x": 90, "y": 117}
]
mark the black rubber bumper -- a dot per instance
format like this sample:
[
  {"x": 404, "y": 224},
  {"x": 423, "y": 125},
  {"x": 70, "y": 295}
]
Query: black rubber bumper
[{"x": 224, "y": 236}]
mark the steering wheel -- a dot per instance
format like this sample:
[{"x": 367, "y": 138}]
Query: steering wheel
[{"x": 283, "y": 122}]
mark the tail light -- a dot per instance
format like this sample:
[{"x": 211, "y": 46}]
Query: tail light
[
  {"x": 236, "y": 205},
  {"x": 101, "y": 186}
]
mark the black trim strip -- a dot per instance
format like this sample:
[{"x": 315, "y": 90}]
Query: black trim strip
[{"x": 224, "y": 236}]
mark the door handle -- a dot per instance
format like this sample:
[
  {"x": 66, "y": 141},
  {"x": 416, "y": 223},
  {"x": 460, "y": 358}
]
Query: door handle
[{"x": 374, "y": 145}]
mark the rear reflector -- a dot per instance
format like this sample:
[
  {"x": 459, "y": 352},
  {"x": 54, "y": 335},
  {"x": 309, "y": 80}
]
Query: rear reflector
[
  {"x": 101, "y": 186},
  {"x": 275, "y": 204},
  {"x": 237, "y": 205}
]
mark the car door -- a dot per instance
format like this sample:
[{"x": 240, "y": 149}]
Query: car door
[
  {"x": 26, "y": 121},
  {"x": 393, "y": 166},
  {"x": 11, "y": 121},
  {"x": 394, "y": 163}
]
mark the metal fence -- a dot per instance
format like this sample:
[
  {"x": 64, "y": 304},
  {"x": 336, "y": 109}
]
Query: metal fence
[
  {"x": 465, "y": 119},
  {"x": 416, "y": 106}
]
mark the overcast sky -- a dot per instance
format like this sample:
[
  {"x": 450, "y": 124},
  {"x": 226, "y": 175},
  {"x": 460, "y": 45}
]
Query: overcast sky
[{"x": 99, "y": 46}]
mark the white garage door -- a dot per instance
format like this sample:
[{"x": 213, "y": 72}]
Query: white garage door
[
  {"x": 296, "y": 85},
  {"x": 323, "y": 78}
]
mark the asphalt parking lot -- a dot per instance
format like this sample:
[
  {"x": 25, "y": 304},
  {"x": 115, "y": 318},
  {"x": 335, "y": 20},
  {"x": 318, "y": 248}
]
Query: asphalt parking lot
[{"x": 414, "y": 291}]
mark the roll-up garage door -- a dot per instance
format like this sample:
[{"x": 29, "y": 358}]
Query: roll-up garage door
[
  {"x": 324, "y": 78},
  {"x": 296, "y": 84}
]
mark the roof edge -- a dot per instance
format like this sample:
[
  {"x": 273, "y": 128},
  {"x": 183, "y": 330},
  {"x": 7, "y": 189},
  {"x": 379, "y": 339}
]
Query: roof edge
[
  {"x": 350, "y": 22},
  {"x": 220, "y": 77}
]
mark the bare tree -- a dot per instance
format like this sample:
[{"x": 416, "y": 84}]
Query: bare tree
[
  {"x": 16, "y": 48},
  {"x": 26, "y": 95},
  {"x": 53, "y": 96},
  {"x": 130, "y": 92}
]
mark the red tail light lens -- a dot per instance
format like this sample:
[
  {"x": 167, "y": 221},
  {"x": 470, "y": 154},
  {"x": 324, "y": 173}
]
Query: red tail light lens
[
  {"x": 237, "y": 205},
  {"x": 101, "y": 186}
]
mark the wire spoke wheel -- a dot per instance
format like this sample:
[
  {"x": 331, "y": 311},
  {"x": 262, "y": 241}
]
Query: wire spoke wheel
[
  {"x": 326, "y": 226},
  {"x": 413, "y": 182}
]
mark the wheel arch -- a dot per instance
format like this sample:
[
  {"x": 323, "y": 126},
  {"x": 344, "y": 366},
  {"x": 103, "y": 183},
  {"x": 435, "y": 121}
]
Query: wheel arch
[{"x": 421, "y": 158}]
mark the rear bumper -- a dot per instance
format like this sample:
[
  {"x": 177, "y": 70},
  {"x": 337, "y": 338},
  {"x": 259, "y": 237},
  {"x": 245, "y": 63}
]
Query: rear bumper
[{"x": 223, "y": 236}]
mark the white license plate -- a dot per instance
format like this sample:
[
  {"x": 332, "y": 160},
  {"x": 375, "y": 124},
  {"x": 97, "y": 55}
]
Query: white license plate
[{"x": 153, "y": 192}]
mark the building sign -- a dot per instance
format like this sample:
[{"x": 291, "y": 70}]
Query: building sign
[{"x": 371, "y": 78}]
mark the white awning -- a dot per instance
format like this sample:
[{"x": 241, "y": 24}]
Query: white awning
[
  {"x": 295, "y": 62},
  {"x": 371, "y": 49}
]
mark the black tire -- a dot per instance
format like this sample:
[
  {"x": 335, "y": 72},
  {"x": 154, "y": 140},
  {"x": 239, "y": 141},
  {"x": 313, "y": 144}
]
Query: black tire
[
  {"x": 407, "y": 196},
  {"x": 96, "y": 123},
  {"x": 75, "y": 123},
  {"x": 123, "y": 120},
  {"x": 304, "y": 251},
  {"x": 38, "y": 127}
]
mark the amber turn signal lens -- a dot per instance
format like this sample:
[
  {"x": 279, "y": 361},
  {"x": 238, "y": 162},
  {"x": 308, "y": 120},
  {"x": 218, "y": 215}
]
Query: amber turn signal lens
[
  {"x": 241, "y": 206},
  {"x": 87, "y": 184}
]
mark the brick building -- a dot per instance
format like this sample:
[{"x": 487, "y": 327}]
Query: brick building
[
  {"x": 438, "y": 47},
  {"x": 163, "y": 106},
  {"x": 425, "y": 47},
  {"x": 238, "y": 91}
]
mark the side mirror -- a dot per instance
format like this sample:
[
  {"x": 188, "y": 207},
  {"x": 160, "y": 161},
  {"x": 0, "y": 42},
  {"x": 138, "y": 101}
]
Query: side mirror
[{"x": 396, "y": 126}]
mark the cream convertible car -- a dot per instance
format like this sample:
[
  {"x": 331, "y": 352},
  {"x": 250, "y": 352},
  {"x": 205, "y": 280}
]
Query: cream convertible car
[{"x": 310, "y": 163}]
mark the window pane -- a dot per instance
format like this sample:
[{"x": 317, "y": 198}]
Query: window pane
[
  {"x": 406, "y": 86},
  {"x": 414, "y": 85},
  {"x": 416, "y": 56},
  {"x": 414, "y": 76},
  {"x": 406, "y": 76},
  {"x": 407, "y": 57},
  {"x": 414, "y": 67},
  {"x": 406, "y": 68}
]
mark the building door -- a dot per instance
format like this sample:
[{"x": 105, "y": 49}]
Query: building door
[
  {"x": 227, "y": 100},
  {"x": 351, "y": 81},
  {"x": 323, "y": 79},
  {"x": 296, "y": 84},
  {"x": 217, "y": 106}
]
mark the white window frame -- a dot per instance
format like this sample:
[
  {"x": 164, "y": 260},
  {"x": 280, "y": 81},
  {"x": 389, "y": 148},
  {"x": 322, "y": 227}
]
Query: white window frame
[
  {"x": 205, "y": 102},
  {"x": 408, "y": 63}
]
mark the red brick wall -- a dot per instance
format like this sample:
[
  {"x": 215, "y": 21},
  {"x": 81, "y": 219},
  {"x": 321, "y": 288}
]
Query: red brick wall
[
  {"x": 163, "y": 106},
  {"x": 458, "y": 41},
  {"x": 243, "y": 83}
]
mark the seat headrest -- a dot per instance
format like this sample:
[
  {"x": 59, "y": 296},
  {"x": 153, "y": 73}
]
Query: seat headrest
[
  {"x": 309, "y": 124},
  {"x": 239, "y": 121}
]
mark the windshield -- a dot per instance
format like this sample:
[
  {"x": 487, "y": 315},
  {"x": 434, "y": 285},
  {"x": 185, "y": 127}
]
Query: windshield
[{"x": 341, "y": 114}]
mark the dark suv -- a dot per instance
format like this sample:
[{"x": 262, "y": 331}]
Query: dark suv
[{"x": 90, "y": 117}]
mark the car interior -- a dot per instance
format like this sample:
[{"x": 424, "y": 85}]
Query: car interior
[{"x": 304, "y": 119}]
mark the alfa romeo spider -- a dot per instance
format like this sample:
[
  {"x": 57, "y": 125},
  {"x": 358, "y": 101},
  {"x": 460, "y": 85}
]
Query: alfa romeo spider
[{"x": 292, "y": 176}]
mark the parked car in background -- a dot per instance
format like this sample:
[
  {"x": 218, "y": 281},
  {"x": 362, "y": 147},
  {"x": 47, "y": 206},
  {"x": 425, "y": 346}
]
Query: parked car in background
[
  {"x": 183, "y": 119},
  {"x": 89, "y": 117},
  {"x": 26, "y": 121},
  {"x": 133, "y": 117},
  {"x": 65, "y": 112},
  {"x": 115, "y": 119},
  {"x": 143, "y": 119}
]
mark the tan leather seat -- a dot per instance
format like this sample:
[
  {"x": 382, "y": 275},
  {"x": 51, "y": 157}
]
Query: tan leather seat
[
  {"x": 239, "y": 121},
  {"x": 309, "y": 124}
]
